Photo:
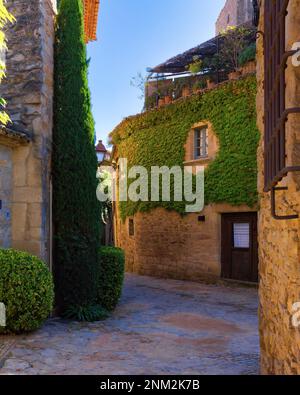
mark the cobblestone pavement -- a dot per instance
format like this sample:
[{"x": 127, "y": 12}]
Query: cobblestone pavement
[{"x": 160, "y": 327}]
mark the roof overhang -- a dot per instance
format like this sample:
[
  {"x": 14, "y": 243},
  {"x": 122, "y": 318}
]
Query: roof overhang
[
  {"x": 13, "y": 138},
  {"x": 91, "y": 11},
  {"x": 179, "y": 63}
]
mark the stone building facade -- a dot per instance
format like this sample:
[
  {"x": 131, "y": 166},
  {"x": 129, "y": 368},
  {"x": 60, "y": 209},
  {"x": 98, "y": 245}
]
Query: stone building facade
[
  {"x": 196, "y": 246},
  {"x": 234, "y": 13},
  {"x": 25, "y": 152},
  {"x": 201, "y": 246},
  {"x": 279, "y": 240},
  {"x": 164, "y": 244}
]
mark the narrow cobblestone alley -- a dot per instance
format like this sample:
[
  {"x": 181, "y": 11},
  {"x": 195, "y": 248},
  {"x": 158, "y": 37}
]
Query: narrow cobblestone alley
[{"x": 160, "y": 327}]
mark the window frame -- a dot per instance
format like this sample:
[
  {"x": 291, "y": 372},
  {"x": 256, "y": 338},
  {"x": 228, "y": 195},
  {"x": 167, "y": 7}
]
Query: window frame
[
  {"x": 201, "y": 143},
  {"x": 131, "y": 228}
]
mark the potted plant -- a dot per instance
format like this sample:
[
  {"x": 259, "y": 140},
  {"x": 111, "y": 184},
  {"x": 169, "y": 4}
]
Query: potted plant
[
  {"x": 150, "y": 102},
  {"x": 168, "y": 99},
  {"x": 247, "y": 59},
  {"x": 186, "y": 91},
  {"x": 161, "y": 101},
  {"x": 168, "y": 94},
  {"x": 199, "y": 85},
  {"x": 234, "y": 75},
  {"x": 210, "y": 83},
  {"x": 178, "y": 85},
  {"x": 235, "y": 40},
  {"x": 196, "y": 66},
  {"x": 248, "y": 68}
]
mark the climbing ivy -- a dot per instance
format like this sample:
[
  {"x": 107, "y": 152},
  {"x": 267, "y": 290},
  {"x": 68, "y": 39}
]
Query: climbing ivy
[{"x": 157, "y": 138}]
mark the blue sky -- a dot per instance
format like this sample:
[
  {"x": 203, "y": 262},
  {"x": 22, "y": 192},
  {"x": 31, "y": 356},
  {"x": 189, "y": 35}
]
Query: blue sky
[{"x": 134, "y": 35}]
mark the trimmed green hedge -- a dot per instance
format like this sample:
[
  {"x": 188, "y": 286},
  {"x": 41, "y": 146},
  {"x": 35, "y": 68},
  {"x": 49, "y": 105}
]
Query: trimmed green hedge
[
  {"x": 26, "y": 289},
  {"x": 158, "y": 137},
  {"x": 111, "y": 277}
]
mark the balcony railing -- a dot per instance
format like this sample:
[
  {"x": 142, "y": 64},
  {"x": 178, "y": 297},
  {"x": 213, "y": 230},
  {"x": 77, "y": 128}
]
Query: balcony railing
[{"x": 163, "y": 90}]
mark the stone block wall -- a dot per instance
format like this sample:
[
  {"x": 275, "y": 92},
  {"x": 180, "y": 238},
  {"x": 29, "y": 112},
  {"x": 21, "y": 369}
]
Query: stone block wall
[
  {"x": 279, "y": 241},
  {"x": 28, "y": 89},
  {"x": 168, "y": 245},
  {"x": 5, "y": 195},
  {"x": 234, "y": 13}
]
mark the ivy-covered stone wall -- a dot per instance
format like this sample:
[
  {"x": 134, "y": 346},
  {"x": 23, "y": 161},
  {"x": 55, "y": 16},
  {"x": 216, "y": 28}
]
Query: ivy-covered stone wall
[
  {"x": 166, "y": 242},
  {"x": 158, "y": 138}
]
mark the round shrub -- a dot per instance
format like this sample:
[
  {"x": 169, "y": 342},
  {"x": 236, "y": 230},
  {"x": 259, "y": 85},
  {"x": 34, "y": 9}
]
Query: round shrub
[
  {"x": 26, "y": 289},
  {"x": 111, "y": 277}
]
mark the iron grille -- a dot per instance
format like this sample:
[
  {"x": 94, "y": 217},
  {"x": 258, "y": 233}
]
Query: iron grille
[
  {"x": 275, "y": 62},
  {"x": 276, "y": 113}
]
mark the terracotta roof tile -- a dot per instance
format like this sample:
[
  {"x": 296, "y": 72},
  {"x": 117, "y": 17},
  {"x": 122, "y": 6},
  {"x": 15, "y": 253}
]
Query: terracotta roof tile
[{"x": 91, "y": 11}]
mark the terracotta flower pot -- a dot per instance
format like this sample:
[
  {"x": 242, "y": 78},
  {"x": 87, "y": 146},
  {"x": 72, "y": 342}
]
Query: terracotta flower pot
[
  {"x": 196, "y": 89},
  {"x": 234, "y": 75},
  {"x": 168, "y": 99},
  {"x": 249, "y": 68},
  {"x": 161, "y": 102},
  {"x": 186, "y": 91},
  {"x": 210, "y": 84}
]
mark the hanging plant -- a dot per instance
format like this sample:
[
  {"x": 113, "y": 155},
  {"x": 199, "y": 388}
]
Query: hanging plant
[{"x": 197, "y": 65}]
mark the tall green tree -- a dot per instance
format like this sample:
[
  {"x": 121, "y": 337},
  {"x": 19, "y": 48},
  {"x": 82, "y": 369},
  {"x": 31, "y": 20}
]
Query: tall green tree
[{"x": 76, "y": 209}]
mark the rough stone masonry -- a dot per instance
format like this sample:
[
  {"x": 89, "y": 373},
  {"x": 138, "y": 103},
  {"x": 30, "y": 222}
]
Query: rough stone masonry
[
  {"x": 234, "y": 13},
  {"x": 279, "y": 241},
  {"x": 28, "y": 89}
]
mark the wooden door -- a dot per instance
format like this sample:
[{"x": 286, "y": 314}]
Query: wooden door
[{"x": 240, "y": 247}]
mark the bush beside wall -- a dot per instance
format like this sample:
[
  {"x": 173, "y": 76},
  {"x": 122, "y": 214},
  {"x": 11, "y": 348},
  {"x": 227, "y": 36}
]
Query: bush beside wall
[
  {"x": 111, "y": 277},
  {"x": 26, "y": 289}
]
